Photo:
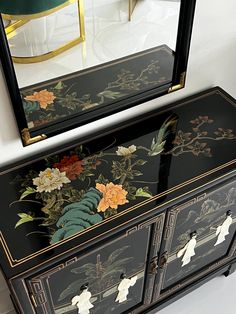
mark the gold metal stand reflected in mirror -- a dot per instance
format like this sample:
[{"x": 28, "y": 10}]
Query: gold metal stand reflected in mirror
[
  {"x": 132, "y": 4},
  {"x": 20, "y": 20}
]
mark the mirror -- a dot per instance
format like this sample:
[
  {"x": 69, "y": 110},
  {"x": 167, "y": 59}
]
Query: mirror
[{"x": 68, "y": 63}]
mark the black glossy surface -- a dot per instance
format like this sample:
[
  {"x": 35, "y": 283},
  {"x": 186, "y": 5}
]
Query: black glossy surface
[
  {"x": 71, "y": 95},
  {"x": 160, "y": 173}
]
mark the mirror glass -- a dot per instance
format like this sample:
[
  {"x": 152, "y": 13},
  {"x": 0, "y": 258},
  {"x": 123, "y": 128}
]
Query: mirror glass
[{"x": 73, "y": 57}]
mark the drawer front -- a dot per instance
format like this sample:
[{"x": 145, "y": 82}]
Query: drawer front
[
  {"x": 199, "y": 235},
  {"x": 102, "y": 271}
]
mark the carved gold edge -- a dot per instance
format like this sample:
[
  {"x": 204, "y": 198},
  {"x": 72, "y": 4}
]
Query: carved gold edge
[
  {"x": 180, "y": 85},
  {"x": 15, "y": 262},
  {"x": 28, "y": 140}
]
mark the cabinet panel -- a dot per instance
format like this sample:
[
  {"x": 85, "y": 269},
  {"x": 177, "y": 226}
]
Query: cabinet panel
[
  {"x": 199, "y": 234},
  {"x": 101, "y": 270}
]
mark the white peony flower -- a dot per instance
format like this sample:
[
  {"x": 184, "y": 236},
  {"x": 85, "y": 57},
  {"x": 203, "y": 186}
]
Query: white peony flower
[
  {"x": 124, "y": 151},
  {"x": 50, "y": 179}
]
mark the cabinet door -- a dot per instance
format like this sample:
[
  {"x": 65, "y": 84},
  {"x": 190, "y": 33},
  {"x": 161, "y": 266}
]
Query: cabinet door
[
  {"x": 199, "y": 237},
  {"x": 100, "y": 272}
]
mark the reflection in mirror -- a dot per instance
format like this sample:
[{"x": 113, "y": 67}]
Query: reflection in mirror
[
  {"x": 75, "y": 61},
  {"x": 108, "y": 35}
]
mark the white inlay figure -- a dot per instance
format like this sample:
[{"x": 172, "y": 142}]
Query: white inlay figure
[
  {"x": 123, "y": 288},
  {"x": 223, "y": 230},
  {"x": 82, "y": 302},
  {"x": 188, "y": 251}
]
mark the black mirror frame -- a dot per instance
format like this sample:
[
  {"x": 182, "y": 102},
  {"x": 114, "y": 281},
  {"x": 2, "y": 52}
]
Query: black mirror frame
[{"x": 28, "y": 137}]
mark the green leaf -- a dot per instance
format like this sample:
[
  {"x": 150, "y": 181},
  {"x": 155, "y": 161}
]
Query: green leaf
[
  {"x": 137, "y": 173},
  {"x": 141, "y": 162},
  {"x": 101, "y": 179},
  {"x": 24, "y": 218},
  {"x": 156, "y": 148},
  {"x": 110, "y": 212},
  {"x": 27, "y": 192},
  {"x": 59, "y": 85},
  {"x": 131, "y": 197},
  {"x": 118, "y": 169},
  {"x": 142, "y": 193}
]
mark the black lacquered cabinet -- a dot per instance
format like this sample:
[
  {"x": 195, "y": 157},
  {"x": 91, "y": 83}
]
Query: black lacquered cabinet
[
  {"x": 127, "y": 221},
  {"x": 203, "y": 215}
]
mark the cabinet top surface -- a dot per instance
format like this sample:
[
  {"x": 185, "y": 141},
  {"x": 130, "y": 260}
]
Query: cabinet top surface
[{"x": 61, "y": 201}]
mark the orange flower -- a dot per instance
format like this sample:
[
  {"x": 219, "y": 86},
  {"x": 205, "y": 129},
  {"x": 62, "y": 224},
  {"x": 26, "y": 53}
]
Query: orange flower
[
  {"x": 113, "y": 195},
  {"x": 71, "y": 165},
  {"x": 44, "y": 98}
]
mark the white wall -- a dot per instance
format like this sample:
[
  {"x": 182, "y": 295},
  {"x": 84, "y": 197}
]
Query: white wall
[{"x": 212, "y": 62}]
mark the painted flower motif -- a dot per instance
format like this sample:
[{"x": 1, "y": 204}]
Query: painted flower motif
[
  {"x": 202, "y": 119},
  {"x": 40, "y": 122},
  {"x": 50, "y": 179},
  {"x": 72, "y": 166},
  {"x": 153, "y": 67},
  {"x": 113, "y": 195},
  {"x": 198, "y": 148},
  {"x": 126, "y": 151},
  {"x": 227, "y": 133},
  {"x": 182, "y": 137},
  {"x": 44, "y": 98}
]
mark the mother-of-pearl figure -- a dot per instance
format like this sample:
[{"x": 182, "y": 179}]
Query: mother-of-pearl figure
[
  {"x": 223, "y": 230},
  {"x": 188, "y": 251},
  {"x": 82, "y": 301},
  {"x": 123, "y": 288}
]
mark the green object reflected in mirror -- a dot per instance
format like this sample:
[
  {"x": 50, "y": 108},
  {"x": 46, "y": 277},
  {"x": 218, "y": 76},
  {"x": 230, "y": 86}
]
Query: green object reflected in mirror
[{"x": 26, "y": 7}]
